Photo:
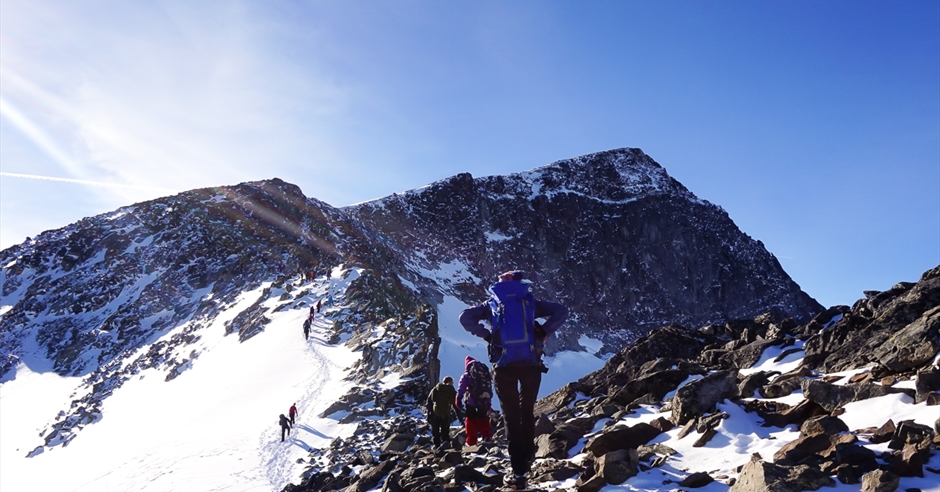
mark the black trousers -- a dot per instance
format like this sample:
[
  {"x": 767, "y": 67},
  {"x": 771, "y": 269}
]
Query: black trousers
[
  {"x": 517, "y": 388},
  {"x": 284, "y": 429},
  {"x": 440, "y": 428}
]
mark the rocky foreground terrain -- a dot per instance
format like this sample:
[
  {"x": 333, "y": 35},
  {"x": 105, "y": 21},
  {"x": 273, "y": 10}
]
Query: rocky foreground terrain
[{"x": 716, "y": 390}]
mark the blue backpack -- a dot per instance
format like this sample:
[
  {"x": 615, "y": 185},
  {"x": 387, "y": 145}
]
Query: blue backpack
[{"x": 512, "y": 315}]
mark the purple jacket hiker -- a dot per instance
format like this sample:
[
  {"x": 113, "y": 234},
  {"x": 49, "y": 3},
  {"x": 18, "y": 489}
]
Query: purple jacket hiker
[{"x": 463, "y": 387}]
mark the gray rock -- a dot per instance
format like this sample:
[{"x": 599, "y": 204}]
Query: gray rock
[
  {"x": 617, "y": 466},
  {"x": 621, "y": 437},
  {"x": 832, "y": 396},
  {"x": 397, "y": 443},
  {"x": 696, "y": 480},
  {"x": 880, "y": 481},
  {"x": 701, "y": 396}
]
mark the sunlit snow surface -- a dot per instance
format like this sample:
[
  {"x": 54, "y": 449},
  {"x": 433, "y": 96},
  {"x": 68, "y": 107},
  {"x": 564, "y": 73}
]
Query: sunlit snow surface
[
  {"x": 742, "y": 435},
  {"x": 213, "y": 428}
]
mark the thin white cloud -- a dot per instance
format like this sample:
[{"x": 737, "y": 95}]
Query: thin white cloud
[
  {"x": 86, "y": 182},
  {"x": 36, "y": 135},
  {"x": 180, "y": 95}
]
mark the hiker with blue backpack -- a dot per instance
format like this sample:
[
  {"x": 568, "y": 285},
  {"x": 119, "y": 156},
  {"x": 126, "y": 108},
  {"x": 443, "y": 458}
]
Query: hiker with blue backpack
[
  {"x": 515, "y": 348},
  {"x": 476, "y": 384}
]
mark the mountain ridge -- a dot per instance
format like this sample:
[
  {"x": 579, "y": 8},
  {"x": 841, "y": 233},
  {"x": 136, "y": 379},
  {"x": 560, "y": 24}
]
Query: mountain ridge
[{"x": 627, "y": 247}]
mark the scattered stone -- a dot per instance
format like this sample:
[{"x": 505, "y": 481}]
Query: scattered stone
[
  {"x": 696, "y": 480},
  {"x": 661, "y": 424},
  {"x": 686, "y": 429},
  {"x": 615, "y": 467},
  {"x": 796, "y": 451},
  {"x": 398, "y": 443},
  {"x": 862, "y": 377},
  {"x": 795, "y": 415},
  {"x": 621, "y": 437},
  {"x": 593, "y": 484},
  {"x": 831, "y": 396},
  {"x": 701, "y": 396},
  {"x": 910, "y": 432},
  {"x": 884, "y": 433},
  {"x": 926, "y": 383},
  {"x": 823, "y": 424},
  {"x": 908, "y": 463},
  {"x": 880, "y": 481},
  {"x": 704, "y": 438}
]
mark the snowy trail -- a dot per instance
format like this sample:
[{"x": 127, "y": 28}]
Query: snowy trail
[
  {"x": 280, "y": 459},
  {"x": 213, "y": 428}
]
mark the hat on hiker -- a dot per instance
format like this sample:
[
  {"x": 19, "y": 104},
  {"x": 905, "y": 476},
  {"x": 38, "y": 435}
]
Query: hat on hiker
[{"x": 512, "y": 275}]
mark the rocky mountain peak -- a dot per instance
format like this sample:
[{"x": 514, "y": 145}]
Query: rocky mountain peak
[{"x": 615, "y": 175}]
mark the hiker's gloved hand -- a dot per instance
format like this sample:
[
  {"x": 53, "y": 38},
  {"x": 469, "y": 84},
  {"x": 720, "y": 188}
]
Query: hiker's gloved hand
[{"x": 539, "y": 331}]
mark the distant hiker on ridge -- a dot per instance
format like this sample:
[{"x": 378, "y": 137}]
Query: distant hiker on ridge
[
  {"x": 285, "y": 426},
  {"x": 307, "y": 329},
  {"x": 292, "y": 413},
  {"x": 476, "y": 384},
  {"x": 319, "y": 302},
  {"x": 439, "y": 405},
  {"x": 515, "y": 348}
]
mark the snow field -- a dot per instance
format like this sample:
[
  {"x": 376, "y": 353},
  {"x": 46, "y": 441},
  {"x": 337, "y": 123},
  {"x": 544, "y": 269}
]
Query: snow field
[{"x": 213, "y": 428}]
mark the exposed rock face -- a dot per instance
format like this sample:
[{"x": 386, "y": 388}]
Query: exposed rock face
[
  {"x": 897, "y": 329},
  {"x": 611, "y": 234}
]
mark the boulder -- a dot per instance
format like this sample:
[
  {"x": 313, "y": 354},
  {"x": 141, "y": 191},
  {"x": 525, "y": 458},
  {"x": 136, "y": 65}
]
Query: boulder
[
  {"x": 371, "y": 476},
  {"x": 593, "y": 484},
  {"x": 880, "y": 481},
  {"x": 831, "y": 396},
  {"x": 913, "y": 346},
  {"x": 617, "y": 466},
  {"x": 927, "y": 383},
  {"x": 696, "y": 480},
  {"x": 749, "y": 354},
  {"x": 704, "y": 438},
  {"x": 823, "y": 424},
  {"x": 760, "y": 476},
  {"x": 883, "y": 433},
  {"x": 802, "y": 448},
  {"x": 909, "y": 462},
  {"x": 752, "y": 382},
  {"x": 621, "y": 437},
  {"x": 655, "y": 384},
  {"x": 910, "y": 432},
  {"x": 397, "y": 443},
  {"x": 701, "y": 396}
]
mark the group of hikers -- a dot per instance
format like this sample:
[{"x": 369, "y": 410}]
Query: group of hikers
[
  {"x": 515, "y": 340},
  {"x": 311, "y": 274}
]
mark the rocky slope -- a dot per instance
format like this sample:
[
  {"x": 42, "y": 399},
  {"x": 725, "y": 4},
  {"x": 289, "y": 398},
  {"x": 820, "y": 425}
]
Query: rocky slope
[
  {"x": 690, "y": 383},
  {"x": 610, "y": 234}
]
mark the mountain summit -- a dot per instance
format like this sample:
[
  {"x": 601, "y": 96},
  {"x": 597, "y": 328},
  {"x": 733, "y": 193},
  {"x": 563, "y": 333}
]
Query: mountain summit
[
  {"x": 155, "y": 288},
  {"x": 626, "y": 246}
]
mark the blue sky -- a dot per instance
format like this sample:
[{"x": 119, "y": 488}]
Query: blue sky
[{"x": 816, "y": 125}]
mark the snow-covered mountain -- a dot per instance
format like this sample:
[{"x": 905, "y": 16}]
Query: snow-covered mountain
[{"x": 158, "y": 343}]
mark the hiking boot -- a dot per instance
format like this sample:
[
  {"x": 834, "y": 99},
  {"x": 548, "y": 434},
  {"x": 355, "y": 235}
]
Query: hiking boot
[{"x": 515, "y": 481}]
